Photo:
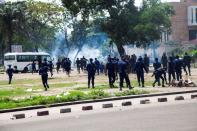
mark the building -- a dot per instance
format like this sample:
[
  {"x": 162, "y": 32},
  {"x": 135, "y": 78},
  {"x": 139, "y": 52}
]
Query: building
[{"x": 184, "y": 22}]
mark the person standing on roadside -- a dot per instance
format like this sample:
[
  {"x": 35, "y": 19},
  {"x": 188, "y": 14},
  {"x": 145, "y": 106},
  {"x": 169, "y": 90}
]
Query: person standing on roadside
[
  {"x": 91, "y": 69},
  {"x": 10, "y": 72}
]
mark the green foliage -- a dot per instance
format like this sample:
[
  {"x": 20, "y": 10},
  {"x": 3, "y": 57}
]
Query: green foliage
[
  {"x": 123, "y": 22},
  {"x": 8, "y": 103}
]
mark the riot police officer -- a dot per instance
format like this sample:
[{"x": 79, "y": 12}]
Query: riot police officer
[
  {"x": 123, "y": 73},
  {"x": 110, "y": 71},
  {"x": 139, "y": 69},
  {"x": 156, "y": 64},
  {"x": 164, "y": 60},
  {"x": 160, "y": 73},
  {"x": 97, "y": 63},
  {"x": 44, "y": 75},
  {"x": 91, "y": 69},
  {"x": 178, "y": 68},
  {"x": 171, "y": 69},
  {"x": 33, "y": 65},
  {"x": 78, "y": 63},
  {"x": 146, "y": 62},
  {"x": 187, "y": 63},
  {"x": 10, "y": 72}
]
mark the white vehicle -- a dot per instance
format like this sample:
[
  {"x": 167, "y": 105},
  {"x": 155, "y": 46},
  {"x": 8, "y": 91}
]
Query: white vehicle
[{"x": 22, "y": 61}]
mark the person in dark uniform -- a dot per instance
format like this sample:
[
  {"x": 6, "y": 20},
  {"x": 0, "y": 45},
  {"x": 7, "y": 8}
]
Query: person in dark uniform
[
  {"x": 10, "y": 72},
  {"x": 102, "y": 68},
  {"x": 44, "y": 75},
  {"x": 78, "y": 63},
  {"x": 156, "y": 64},
  {"x": 187, "y": 63},
  {"x": 33, "y": 65},
  {"x": 97, "y": 63},
  {"x": 164, "y": 60},
  {"x": 160, "y": 73},
  {"x": 178, "y": 68},
  {"x": 51, "y": 67},
  {"x": 171, "y": 70},
  {"x": 67, "y": 66},
  {"x": 45, "y": 63},
  {"x": 58, "y": 65},
  {"x": 84, "y": 63},
  {"x": 110, "y": 71},
  {"x": 123, "y": 73},
  {"x": 146, "y": 62},
  {"x": 139, "y": 69},
  {"x": 91, "y": 69}
]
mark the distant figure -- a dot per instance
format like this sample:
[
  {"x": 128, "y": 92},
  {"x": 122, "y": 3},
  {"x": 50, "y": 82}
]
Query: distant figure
[
  {"x": 58, "y": 65},
  {"x": 102, "y": 68},
  {"x": 67, "y": 66},
  {"x": 139, "y": 69},
  {"x": 78, "y": 63},
  {"x": 171, "y": 70},
  {"x": 97, "y": 63},
  {"x": 10, "y": 72},
  {"x": 110, "y": 71},
  {"x": 33, "y": 65},
  {"x": 132, "y": 63},
  {"x": 44, "y": 75},
  {"x": 45, "y": 63},
  {"x": 164, "y": 60},
  {"x": 146, "y": 62},
  {"x": 91, "y": 69},
  {"x": 178, "y": 68},
  {"x": 187, "y": 63},
  {"x": 84, "y": 63},
  {"x": 123, "y": 73},
  {"x": 51, "y": 67},
  {"x": 159, "y": 74}
]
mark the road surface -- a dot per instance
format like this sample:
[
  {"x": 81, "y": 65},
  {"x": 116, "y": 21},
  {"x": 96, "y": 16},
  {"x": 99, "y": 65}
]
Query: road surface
[{"x": 179, "y": 116}]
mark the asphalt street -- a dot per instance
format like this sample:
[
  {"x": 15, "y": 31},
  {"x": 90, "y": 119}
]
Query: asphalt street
[{"x": 179, "y": 116}]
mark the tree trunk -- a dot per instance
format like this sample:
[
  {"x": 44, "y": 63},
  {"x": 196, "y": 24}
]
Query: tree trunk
[
  {"x": 121, "y": 50},
  {"x": 79, "y": 50},
  {"x": 10, "y": 35}
]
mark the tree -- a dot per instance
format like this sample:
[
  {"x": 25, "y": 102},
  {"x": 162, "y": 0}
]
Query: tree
[{"x": 122, "y": 20}]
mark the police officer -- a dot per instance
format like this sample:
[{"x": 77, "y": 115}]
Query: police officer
[
  {"x": 160, "y": 73},
  {"x": 187, "y": 63},
  {"x": 178, "y": 68},
  {"x": 123, "y": 73},
  {"x": 78, "y": 63},
  {"x": 139, "y": 68},
  {"x": 33, "y": 65},
  {"x": 51, "y": 67},
  {"x": 44, "y": 75},
  {"x": 171, "y": 69},
  {"x": 146, "y": 62},
  {"x": 164, "y": 60},
  {"x": 58, "y": 65},
  {"x": 97, "y": 63},
  {"x": 91, "y": 69},
  {"x": 156, "y": 64},
  {"x": 67, "y": 66},
  {"x": 10, "y": 72},
  {"x": 110, "y": 71}
]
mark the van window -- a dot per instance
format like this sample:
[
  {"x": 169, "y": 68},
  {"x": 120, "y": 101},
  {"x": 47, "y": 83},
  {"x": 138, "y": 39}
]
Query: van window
[{"x": 9, "y": 57}]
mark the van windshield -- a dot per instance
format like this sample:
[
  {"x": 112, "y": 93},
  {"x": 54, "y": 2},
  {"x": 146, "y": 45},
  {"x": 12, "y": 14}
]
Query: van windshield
[{"x": 9, "y": 58}]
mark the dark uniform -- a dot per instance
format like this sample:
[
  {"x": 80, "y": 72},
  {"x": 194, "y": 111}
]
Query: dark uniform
[
  {"x": 156, "y": 64},
  {"x": 146, "y": 62},
  {"x": 58, "y": 65},
  {"x": 159, "y": 74},
  {"x": 51, "y": 67},
  {"x": 139, "y": 69},
  {"x": 78, "y": 63},
  {"x": 33, "y": 65},
  {"x": 10, "y": 72},
  {"x": 187, "y": 63},
  {"x": 110, "y": 71},
  {"x": 123, "y": 74},
  {"x": 44, "y": 75},
  {"x": 178, "y": 68},
  {"x": 97, "y": 63},
  {"x": 164, "y": 60},
  {"x": 67, "y": 66},
  {"x": 91, "y": 69},
  {"x": 102, "y": 68},
  {"x": 171, "y": 69}
]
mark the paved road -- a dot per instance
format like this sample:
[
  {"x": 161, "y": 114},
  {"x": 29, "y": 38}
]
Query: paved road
[{"x": 179, "y": 116}]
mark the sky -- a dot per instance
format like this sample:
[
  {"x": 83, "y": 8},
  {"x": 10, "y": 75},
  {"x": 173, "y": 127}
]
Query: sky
[{"x": 137, "y": 2}]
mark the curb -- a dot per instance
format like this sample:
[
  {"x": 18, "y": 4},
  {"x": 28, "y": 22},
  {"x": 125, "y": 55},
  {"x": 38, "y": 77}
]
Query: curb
[{"x": 97, "y": 100}]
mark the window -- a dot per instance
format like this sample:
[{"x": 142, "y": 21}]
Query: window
[
  {"x": 192, "y": 34},
  {"x": 23, "y": 58},
  {"x": 9, "y": 58}
]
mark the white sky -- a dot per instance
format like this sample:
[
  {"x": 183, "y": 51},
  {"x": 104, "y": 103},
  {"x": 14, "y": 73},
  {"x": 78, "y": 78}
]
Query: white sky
[{"x": 138, "y": 2}]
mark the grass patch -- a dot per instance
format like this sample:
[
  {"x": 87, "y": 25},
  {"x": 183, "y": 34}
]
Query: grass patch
[
  {"x": 132, "y": 92},
  {"x": 9, "y": 103},
  {"x": 12, "y": 92}
]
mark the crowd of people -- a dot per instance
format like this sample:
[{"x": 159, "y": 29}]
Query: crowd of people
[{"x": 116, "y": 68}]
